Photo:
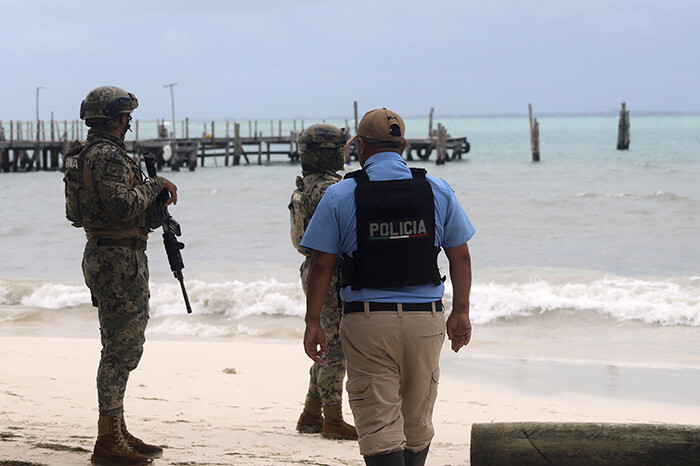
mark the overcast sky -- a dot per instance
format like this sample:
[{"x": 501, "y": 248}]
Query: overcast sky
[{"x": 313, "y": 58}]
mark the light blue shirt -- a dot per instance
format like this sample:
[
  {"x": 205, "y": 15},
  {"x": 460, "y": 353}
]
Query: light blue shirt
[{"x": 333, "y": 227}]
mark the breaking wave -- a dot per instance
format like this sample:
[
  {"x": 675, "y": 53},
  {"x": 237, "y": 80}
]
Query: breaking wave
[{"x": 271, "y": 309}]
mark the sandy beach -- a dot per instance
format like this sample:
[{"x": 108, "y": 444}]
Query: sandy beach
[{"x": 221, "y": 403}]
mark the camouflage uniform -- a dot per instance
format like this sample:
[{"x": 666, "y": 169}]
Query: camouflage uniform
[
  {"x": 326, "y": 380},
  {"x": 107, "y": 196},
  {"x": 321, "y": 153},
  {"x": 115, "y": 265}
]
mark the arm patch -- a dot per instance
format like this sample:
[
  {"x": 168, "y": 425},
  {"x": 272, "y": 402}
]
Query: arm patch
[{"x": 114, "y": 170}]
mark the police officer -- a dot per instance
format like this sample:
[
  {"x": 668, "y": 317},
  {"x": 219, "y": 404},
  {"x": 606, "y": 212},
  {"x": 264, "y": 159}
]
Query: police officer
[
  {"x": 387, "y": 223},
  {"x": 107, "y": 197},
  {"x": 321, "y": 152}
]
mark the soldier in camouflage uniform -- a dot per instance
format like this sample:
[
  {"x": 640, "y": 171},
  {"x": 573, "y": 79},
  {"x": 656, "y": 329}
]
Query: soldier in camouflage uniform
[
  {"x": 107, "y": 196},
  {"x": 321, "y": 153}
]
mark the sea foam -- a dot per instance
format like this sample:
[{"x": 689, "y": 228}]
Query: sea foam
[{"x": 661, "y": 302}]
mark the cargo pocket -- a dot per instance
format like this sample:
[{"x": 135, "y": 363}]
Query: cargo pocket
[
  {"x": 360, "y": 390},
  {"x": 435, "y": 378}
]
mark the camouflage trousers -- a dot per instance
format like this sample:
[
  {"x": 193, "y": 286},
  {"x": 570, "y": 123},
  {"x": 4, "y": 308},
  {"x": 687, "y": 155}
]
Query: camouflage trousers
[
  {"x": 118, "y": 279},
  {"x": 326, "y": 380}
]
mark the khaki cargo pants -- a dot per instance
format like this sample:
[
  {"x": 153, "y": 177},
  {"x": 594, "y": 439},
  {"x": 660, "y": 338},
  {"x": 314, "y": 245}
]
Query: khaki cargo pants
[{"x": 393, "y": 372}]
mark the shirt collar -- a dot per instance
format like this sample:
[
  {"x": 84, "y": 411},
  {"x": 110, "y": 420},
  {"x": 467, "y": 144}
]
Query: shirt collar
[{"x": 380, "y": 157}]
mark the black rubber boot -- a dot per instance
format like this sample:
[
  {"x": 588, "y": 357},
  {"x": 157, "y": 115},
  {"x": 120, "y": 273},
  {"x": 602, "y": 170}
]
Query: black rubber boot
[
  {"x": 395, "y": 458},
  {"x": 415, "y": 459}
]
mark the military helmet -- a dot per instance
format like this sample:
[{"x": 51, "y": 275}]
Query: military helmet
[
  {"x": 321, "y": 136},
  {"x": 106, "y": 102},
  {"x": 319, "y": 148}
]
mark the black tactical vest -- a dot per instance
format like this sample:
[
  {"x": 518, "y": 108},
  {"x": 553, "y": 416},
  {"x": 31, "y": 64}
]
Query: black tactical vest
[{"x": 395, "y": 234}]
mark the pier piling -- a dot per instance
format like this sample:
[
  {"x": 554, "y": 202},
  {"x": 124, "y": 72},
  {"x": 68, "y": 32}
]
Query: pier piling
[
  {"x": 623, "y": 130},
  {"x": 534, "y": 136}
]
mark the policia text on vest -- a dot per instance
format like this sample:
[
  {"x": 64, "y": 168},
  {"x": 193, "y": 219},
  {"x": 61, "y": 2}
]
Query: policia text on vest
[{"x": 397, "y": 229}]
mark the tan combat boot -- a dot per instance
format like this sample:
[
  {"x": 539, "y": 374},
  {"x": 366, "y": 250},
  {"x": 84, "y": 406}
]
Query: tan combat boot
[
  {"x": 153, "y": 451},
  {"x": 333, "y": 425},
  {"x": 311, "y": 420},
  {"x": 111, "y": 448}
]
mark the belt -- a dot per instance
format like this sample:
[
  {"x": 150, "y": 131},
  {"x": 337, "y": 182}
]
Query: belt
[
  {"x": 359, "y": 306},
  {"x": 133, "y": 243}
]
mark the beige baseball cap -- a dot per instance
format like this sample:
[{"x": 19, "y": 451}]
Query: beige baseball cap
[{"x": 380, "y": 125}]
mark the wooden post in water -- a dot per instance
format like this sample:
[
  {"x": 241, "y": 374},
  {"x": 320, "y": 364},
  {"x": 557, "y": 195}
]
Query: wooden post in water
[
  {"x": 579, "y": 443},
  {"x": 256, "y": 129},
  {"x": 623, "y": 130},
  {"x": 291, "y": 146},
  {"x": 430, "y": 123},
  {"x": 354, "y": 104},
  {"x": 441, "y": 145},
  {"x": 227, "y": 145},
  {"x": 213, "y": 144},
  {"x": 17, "y": 153},
  {"x": 5, "y": 155},
  {"x": 237, "y": 144},
  {"x": 12, "y": 138},
  {"x": 280, "y": 130},
  {"x": 534, "y": 136},
  {"x": 43, "y": 149},
  {"x": 54, "y": 149},
  {"x": 202, "y": 152},
  {"x": 187, "y": 128}
]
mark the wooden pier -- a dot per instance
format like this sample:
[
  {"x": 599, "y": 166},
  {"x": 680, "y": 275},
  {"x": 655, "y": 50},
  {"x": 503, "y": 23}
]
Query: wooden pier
[{"x": 21, "y": 151}]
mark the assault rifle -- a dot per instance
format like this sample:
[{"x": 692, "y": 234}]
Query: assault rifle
[{"x": 171, "y": 229}]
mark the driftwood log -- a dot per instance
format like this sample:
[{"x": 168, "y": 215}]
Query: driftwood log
[{"x": 534, "y": 443}]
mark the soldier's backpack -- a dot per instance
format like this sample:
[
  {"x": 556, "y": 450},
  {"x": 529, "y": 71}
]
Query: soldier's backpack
[{"x": 78, "y": 182}]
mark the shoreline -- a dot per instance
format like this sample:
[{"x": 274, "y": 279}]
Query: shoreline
[{"x": 234, "y": 402}]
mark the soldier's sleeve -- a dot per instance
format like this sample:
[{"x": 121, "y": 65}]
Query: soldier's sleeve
[{"x": 112, "y": 175}]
